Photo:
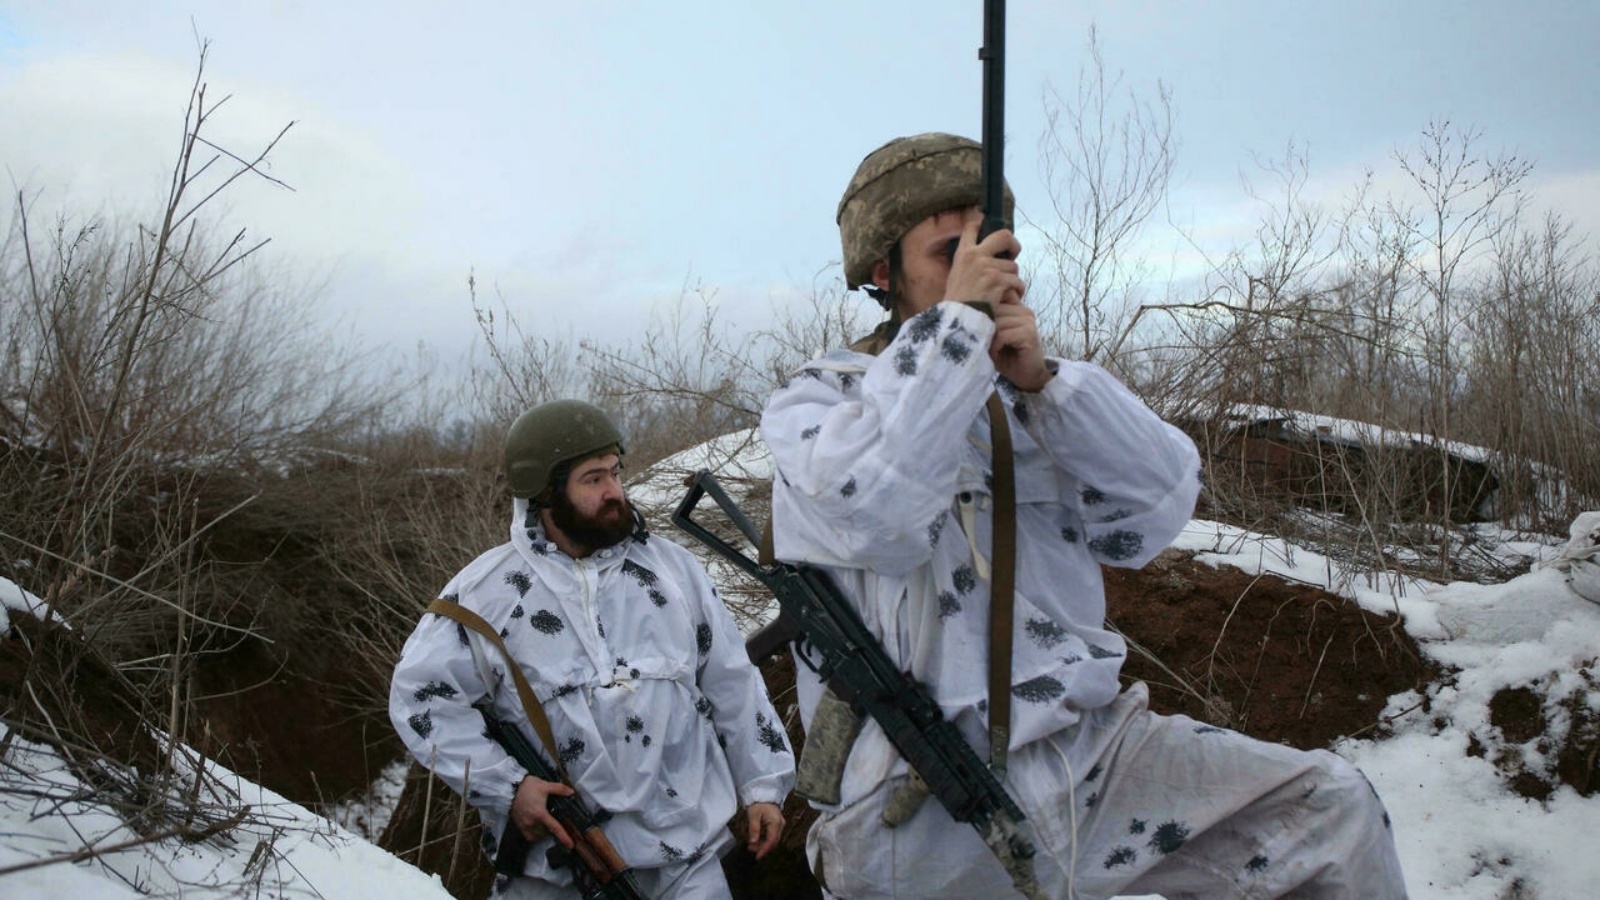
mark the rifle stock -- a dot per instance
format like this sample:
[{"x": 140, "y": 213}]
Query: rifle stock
[{"x": 598, "y": 870}]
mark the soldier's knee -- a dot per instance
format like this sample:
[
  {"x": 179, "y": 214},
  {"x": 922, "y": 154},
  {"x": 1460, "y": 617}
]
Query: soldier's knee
[{"x": 1348, "y": 791}]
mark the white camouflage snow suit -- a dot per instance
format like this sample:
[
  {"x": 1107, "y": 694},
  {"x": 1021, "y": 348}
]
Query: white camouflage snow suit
[
  {"x": 883, "y": 479},
  {"x": 660, "y": 717}
]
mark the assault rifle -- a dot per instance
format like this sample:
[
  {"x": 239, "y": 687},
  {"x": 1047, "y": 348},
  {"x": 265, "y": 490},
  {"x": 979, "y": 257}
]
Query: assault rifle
[
  {"x": 993, "y": 56},
  {"x": 598, "y": 871},
  {"x": 859, "y": 671}
]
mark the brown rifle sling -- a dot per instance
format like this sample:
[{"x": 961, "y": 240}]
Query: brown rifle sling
[
  {"x": 530, "y": 702},
  {"x": 1002, "y": 584},
  {"x": 1003, "y": 571},
  {"x": 764, "y": 553}
]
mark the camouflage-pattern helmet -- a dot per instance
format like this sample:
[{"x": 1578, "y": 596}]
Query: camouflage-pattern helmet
[
  {"x": 899, "y": 185},
  {"x": 550, "y": 434}
]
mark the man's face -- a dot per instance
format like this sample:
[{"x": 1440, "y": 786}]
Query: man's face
[
  {"x": 925, "y": 254},
  {"x": 593, "y": 511}
]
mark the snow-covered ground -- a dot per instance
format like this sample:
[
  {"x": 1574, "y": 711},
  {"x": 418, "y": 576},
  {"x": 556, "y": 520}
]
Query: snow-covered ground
[{"x": 1463, "y": 833}]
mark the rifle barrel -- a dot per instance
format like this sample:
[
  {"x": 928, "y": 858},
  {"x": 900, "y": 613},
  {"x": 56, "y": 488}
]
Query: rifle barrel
[{"x": 993, "y": 55}]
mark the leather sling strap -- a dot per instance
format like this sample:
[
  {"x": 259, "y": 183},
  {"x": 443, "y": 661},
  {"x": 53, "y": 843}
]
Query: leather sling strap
[
  {"x": 1002, "y": 584},
  {"x": 530, "y": 702},
  {"x": 1003, "y": 570},
  {"x": 764, "y": 553}
]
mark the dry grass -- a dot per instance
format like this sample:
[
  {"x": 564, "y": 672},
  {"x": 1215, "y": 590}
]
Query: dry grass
[{"x": 155, "y": 387}]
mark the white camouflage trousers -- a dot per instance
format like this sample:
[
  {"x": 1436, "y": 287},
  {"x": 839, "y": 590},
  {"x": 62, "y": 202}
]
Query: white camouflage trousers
[
  {"x": 698, "y": 878},
  {"x": 1127, "y": 803}
]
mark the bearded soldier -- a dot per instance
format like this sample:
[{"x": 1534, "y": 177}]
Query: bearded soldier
[
  {"x": 658, "y": 716},
  {"x": 963, "y": 489}
]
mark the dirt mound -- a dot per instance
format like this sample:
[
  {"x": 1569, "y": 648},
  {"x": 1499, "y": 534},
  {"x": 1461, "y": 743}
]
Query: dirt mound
[{"x": 1274, "y": 659}]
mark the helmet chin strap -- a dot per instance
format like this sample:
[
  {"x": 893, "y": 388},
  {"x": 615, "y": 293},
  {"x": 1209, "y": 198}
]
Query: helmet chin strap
[
  {"x": 889, "y": 299},
  {"x": 896, "y": 283}
]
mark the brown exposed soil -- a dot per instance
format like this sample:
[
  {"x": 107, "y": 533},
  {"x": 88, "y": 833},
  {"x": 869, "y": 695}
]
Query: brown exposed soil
[
  {"x": 1565, "y": 749},
  {"x": 1518, "y": 712},
  {"x": 53, "y": 683},
  {"x": 1274, "y": 659},
  {"x": 274, "y": 722}
]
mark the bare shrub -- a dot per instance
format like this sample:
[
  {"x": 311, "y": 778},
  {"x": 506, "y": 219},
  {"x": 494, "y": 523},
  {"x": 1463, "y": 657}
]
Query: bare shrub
[
  {"x": 163, "y": 404},
  {"x": 56, "y": 689},
  {"x": 830, "y": 318},
  {"x": 525, "y": 368},
  {"x": 1531, "y": 368},
  {"x": 690, "y": 379},
  {"x": 1467, "y": 201},
  {"x": 418, "y": 512},
  {"x": 1392, "y": 313},
  {"x": 138, "y": 353}
]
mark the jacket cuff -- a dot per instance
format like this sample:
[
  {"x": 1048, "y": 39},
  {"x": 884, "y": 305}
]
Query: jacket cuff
[
  {"x": 766, "y": 789},
  {"x": 495, "y": 791}
]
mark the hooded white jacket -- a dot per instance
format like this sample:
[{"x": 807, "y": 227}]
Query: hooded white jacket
[
  {"x": 660, "y": 717},
  {"x": 883, "y": 474}
]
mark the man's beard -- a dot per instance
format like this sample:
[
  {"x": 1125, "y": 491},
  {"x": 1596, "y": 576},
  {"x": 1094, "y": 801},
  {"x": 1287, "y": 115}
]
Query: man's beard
[{"x": 610, "y": 524}]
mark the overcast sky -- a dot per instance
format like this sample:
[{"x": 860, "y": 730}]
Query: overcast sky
[{"x": 587, "y": 159}]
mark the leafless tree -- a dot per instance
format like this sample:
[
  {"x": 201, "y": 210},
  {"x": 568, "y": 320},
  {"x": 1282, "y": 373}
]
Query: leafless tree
[
  {"x": 1467, "y": 200},
  {"x": 1106, "y": 160},
  {"x": 525, "y": 367},
  {"x": 1531, "y": 363},
  {"x": 1375, "y": 287}
]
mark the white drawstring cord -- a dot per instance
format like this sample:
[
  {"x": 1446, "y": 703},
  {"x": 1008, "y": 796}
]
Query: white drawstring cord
[{"x": 1072, "y": 807}]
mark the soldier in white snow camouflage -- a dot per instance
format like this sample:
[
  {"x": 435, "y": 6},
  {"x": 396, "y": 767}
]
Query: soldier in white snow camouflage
[
  {"x": 885, "y": 477},
  {"x": 658, "y": 715}
]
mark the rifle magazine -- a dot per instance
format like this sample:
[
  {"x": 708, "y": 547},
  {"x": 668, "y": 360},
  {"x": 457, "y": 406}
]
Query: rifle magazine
[{"x": 833, "y": 731}]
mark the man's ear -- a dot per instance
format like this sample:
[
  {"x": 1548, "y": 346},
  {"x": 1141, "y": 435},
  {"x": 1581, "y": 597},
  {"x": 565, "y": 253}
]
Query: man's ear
[{"x": 880, "y": 274}]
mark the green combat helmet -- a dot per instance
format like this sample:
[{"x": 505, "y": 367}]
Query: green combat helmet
[
  {"x": 550, "y": 434},
  {"x": 899, "y": 185}
]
